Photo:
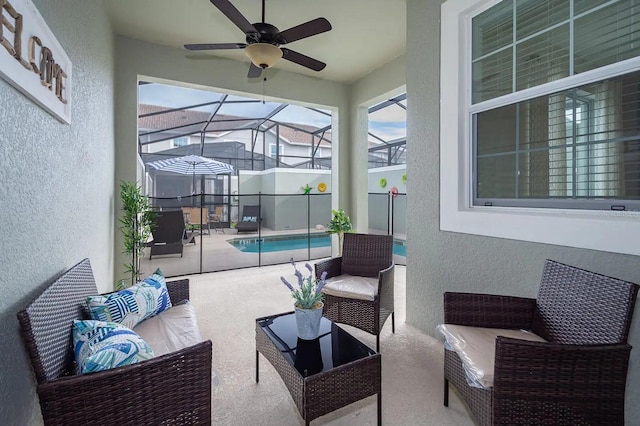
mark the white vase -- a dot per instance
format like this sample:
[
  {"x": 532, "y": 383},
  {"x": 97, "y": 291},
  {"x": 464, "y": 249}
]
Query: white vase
[{"x": 308, "y": 322}]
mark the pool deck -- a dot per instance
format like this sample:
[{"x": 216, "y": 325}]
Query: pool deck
[{"x": 219, "y": 255}]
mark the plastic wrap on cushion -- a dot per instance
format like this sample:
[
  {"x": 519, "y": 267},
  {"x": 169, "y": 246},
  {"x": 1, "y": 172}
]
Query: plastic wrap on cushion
[
  {"x": 447, "y": 346},
  {"x": 171, "y": 330},
  {"x": 352, "y": 286},
  {"x": 476, "y": 347}
]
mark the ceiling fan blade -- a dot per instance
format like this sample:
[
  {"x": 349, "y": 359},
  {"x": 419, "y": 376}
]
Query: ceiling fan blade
[
  {"x": 301, "y": 59},
  {"x": 234, "y": 15},
  {"x": 198, "y": 57},
  {"x": 254, "y": 71},
  {"x": 215, "y": 46},
  {"x": 308, "y": 29}
]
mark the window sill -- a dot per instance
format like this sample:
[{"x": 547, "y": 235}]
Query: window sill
[{"x": 596, "y": 230}]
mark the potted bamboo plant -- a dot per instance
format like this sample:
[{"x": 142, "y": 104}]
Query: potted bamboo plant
[
  {"x": 136, "y": 220},
  {"x": 339, "y": 224}
]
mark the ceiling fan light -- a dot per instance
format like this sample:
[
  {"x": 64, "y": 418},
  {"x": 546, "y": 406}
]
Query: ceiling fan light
[{"x": 263, "y": 55}]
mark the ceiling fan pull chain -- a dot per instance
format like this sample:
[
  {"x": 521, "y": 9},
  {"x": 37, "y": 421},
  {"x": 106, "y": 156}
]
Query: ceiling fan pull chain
[{"x": 264, "y": 83}]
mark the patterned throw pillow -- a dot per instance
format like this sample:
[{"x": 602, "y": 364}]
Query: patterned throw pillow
[
  {"x": 99, "y": 345},
  {"x": 134, "y": 304},
  {"x": 250, "y": 219}
]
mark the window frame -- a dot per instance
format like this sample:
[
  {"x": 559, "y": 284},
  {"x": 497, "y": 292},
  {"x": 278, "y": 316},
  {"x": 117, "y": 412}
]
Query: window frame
[
  {"x": 318, "y": 152},
  {"x": 590, "y": 229},
  {"x": 180, "y": 138},
  {"x": 562, "y": 85},
  {"x": 279, "y": 149}
]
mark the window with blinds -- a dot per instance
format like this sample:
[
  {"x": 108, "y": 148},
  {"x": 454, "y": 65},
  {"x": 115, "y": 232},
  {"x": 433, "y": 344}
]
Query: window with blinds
[
  {"x": 181, "y": 141},
  {"x": 578, "y": 147}
]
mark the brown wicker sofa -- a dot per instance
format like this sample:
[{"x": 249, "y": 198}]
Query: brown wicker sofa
[
  {"x": 170, "y": 389},
  {"x": 576, "y": 377}
]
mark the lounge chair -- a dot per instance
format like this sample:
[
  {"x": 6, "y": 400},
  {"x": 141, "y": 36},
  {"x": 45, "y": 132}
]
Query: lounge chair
[
  {"x": 250, "y": 219},
  {"x": 169, "y": 234}
]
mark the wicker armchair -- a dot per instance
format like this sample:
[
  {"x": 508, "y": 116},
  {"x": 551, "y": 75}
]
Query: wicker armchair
[
  {"x": 364, "y": 255},
  {"x": 169, "y": 389},
  {"x": 577, "y": 377}
]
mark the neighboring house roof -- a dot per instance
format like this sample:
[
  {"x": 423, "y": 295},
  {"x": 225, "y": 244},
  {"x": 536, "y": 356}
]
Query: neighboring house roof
[
  {"x": 298, "y": 137},
  {"x": 174, "y": 119},
  {"x": 193, "y": 122}
]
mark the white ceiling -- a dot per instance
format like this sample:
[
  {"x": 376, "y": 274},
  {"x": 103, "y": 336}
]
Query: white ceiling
[{"x": 366, "y": 33}]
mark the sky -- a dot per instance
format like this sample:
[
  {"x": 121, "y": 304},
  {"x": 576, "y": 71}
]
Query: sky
[{"x": 388, "y": 123}]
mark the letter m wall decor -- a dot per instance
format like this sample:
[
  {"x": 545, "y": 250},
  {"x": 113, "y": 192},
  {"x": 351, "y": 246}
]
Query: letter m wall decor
[{"x": 32, "y": 60}]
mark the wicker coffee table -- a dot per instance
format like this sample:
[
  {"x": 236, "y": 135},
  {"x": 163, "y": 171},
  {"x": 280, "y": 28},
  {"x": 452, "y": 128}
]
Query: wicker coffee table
[{"x": 324, "y": 374}]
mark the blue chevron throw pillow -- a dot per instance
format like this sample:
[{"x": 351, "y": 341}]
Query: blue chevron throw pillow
[
  {"x": 134, "y": 304},
  {"x": 100, "y": 345}
]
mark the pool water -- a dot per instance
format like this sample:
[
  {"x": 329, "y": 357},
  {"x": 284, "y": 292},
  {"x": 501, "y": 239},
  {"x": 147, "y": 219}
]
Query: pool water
[
  {"x": 296, "y": 242},
  {"x": 400, "y": 248}
]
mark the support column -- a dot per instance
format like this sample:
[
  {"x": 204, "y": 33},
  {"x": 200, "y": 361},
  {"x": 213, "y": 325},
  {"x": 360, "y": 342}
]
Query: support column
[
  {"x": 340, "y": 165},
  {"x": 359, "y": 184}
]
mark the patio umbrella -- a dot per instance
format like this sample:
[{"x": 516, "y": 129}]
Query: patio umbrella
[{"x": 192, "y": 165}]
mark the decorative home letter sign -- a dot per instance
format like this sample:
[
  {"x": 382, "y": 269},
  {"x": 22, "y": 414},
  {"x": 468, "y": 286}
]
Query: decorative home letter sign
[{"x": 32, "y": 60}]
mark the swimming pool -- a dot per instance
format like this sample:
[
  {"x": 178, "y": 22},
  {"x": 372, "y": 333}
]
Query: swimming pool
[{"x": 297, "y": 242}]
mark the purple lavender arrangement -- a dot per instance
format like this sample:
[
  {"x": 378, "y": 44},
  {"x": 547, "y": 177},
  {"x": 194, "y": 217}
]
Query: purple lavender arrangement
[{"x": 309, "y": 291}]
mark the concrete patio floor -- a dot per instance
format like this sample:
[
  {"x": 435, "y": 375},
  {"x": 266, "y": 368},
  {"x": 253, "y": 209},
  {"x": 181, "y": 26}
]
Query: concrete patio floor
[{"x": 227, "y": 304}]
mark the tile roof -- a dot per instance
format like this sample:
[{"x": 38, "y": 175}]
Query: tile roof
[
  {"x": 174, "y": 119},
  {"x": 193, "y": 122}
]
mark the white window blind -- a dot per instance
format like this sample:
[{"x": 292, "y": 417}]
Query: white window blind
[
  {"x": 522, "y": 44},
  {"x": 574, "y": 148}
]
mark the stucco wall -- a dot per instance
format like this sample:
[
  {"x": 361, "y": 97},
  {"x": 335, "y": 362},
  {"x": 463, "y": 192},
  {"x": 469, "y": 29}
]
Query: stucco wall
[
  {"x": 292, "y": 209},
  {"x": 56, "y": 197},
  {"x": 445, "y": 261},
  {"x": 283, "y": 204},
  {"x": 379, "y": 199}
]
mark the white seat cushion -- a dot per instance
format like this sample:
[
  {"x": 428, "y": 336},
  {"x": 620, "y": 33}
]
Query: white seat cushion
[
  {"x": 476, "y": 347},
  {"x": 352, "y": 286},
  {"x": 171, "y": 330}
]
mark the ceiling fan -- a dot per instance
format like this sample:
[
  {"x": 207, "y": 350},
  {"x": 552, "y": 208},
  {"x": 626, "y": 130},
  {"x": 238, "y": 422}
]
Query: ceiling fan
[{"x": 263, "y": 40}]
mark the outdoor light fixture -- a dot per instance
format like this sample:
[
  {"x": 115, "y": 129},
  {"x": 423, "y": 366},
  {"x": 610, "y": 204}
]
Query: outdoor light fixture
[{"x": 263, "y": 55}]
